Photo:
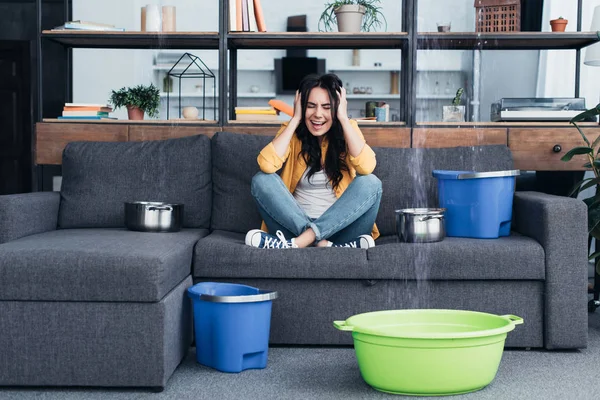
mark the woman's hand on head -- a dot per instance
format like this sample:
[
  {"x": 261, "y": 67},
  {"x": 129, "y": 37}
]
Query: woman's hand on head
[
  {"x": 297, "y": 107},
  {"x": 342, "y": 111}
]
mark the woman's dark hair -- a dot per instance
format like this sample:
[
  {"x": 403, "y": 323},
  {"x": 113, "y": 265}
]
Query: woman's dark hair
[{"x": 335, "y": 159}]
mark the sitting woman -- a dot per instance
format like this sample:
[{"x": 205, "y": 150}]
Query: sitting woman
[{"x": 326, "y": 195}]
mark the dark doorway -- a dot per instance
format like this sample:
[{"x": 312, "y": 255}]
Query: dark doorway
[{"x": 15, "y": 117}]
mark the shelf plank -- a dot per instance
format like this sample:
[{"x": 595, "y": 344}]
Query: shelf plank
[
  {"x": 172, "y": 121},
  {"x": 317, "y": 40},
  {"x": 563, "y": 124},
  {"x": 506, "y": 41},
  {"x": 134, "y": 40}
]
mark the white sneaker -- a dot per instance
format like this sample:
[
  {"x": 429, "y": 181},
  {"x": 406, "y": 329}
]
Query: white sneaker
[
  {"x": 361, "y": 242},
  {"x": 263, "y": 240}
]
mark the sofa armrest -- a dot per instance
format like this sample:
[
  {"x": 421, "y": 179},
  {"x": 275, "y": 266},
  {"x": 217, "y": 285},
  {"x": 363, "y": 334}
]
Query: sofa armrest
[
  {"x": 28, "y": 213},
  {"x": 559, "y": 224}
]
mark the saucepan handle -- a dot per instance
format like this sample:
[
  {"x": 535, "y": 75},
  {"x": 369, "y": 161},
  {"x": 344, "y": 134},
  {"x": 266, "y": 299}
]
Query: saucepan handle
[
  {"x": 428, "y": 217},
  {"x": 341, "y": 325},
  {"x": 160, "y": 208}
]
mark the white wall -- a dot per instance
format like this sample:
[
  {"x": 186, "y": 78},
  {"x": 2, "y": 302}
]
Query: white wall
[{"x": 504, "y": 73}]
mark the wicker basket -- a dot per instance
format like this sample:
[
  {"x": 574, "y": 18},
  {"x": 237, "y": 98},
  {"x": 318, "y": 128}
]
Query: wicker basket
[{"x": 498, "y": 15}]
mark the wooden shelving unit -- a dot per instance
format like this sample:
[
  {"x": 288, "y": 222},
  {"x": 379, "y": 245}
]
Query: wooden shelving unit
[
  {"x": 317, "y": 40},
  {"x": 134, "y": 40},
  {"x": 506, "y": 41},
  {"x": 533, "y": 143}
]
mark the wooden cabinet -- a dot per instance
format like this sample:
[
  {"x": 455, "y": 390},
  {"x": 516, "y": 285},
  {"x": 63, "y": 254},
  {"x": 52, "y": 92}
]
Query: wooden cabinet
[
  {"x": 540, "y": 149},
  {"x": 453, "y": 137},
  {"x": 533, "y": 148},
  {"x": 51, "y": 139}
]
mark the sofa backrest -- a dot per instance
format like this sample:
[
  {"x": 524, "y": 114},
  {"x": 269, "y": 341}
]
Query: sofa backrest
[
  {"x": 233, "y": 166},
  {"x": 99, "y": 177},
  {"x": 406, "y": 175}
]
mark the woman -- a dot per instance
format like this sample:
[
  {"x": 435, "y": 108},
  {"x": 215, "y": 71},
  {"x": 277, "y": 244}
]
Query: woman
[{"x": 326, "y": 195}]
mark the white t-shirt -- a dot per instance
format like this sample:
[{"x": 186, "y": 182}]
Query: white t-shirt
[{"x": 315, "y": 196}]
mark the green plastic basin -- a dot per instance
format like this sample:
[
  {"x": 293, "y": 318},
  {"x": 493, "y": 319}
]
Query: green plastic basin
[{"x": 428, "y": 352}]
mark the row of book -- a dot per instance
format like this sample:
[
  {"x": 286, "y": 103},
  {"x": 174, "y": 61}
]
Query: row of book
[
  {"x": 256, "y": 114},
  {"x": 77, "y": 111},
  {"x": 246, "y": 16},
  {"x": 79, "y": 25}
]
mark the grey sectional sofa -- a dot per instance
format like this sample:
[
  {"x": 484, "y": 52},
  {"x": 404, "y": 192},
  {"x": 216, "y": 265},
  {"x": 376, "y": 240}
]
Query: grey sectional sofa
[{"x": 85, "y": 302}]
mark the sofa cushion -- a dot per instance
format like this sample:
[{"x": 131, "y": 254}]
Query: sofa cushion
[
  {"x": 225, "y": 255},
  {"x": 99, "y": 177},
  {"x": 407, "y": 180},
  {"x": 514, "y": 257},
  {"x": 96, "y": 265},
  {"x": 233, "y": 166}
]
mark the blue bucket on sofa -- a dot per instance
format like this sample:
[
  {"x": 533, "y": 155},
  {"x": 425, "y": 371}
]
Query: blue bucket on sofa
[
  {"x": 478, "y": 204},
  {"x": 232, "y": 324}
]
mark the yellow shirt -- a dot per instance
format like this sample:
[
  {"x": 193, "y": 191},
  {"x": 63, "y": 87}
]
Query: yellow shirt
[{"x": 270, "y": 162}]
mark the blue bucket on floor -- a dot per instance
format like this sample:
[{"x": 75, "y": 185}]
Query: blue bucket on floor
[
  {"x": 232, "y": 324},
  {"x": 478, "y": 204}
]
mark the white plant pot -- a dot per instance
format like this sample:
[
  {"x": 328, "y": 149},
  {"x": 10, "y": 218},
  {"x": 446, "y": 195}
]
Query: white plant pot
[
  {"x": 349, "y": 17},
  {"x": 453, "y": 114}
]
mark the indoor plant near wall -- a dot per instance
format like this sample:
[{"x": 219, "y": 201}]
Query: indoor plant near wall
[
  {"x": 592, "y": 151},
  {"x": 138, "y": 100},
  {"x": 559, "y": 24},
  {"x": 454, "y": 112},
  {"x": 352, "y": 16}
]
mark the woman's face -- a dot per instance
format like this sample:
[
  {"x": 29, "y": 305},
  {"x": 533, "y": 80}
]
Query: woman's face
[{"x": 318, "y": 116}]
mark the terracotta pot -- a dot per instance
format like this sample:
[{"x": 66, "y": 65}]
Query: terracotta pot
[
  {"x": 135, "y": 113},
  {"x": 559, "y": 25}
]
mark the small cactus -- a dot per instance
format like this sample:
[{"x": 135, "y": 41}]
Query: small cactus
[{"x": 459, "y": 93}]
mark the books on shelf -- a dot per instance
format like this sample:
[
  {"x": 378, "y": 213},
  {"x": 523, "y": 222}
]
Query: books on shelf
[
  {"x": 87, "y": 26},
  {"x": 86, "y": 111},
  {"x": 246, "y": 16},
  {"x": 256, "y": 114}
]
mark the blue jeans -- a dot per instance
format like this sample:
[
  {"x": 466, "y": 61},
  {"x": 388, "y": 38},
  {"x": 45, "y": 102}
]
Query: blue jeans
[{"x": 353, "y": 214}]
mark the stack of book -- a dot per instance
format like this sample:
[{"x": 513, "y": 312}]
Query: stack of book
[
  {"x": 256, "y": 114},
  {"x": 87, "y": 26},
  {"x": 246, "y": 16},
  {"x": 78, "y": 111}
]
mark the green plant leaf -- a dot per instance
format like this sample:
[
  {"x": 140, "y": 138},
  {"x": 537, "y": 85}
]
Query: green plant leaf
[
  {"x": 576, "y": 188},
  {"x": 592, "y": 182},
  {"x": 592, "y": 112},
  {"x": 592, "y": 256},
  {"x": 146, "y": 98},
  {"x": 577, "y": 151}
]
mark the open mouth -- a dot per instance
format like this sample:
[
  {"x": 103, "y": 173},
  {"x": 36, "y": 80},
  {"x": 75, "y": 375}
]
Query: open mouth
[{"x": 317, "y": 124}]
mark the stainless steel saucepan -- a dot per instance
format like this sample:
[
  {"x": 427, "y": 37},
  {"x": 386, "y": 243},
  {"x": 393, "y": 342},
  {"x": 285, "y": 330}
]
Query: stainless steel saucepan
[
  {"x": 150, "y": 216},
  {"x": 420, "y": 225}
]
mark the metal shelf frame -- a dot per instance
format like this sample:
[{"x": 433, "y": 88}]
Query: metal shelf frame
[{"x": 407, "y": 42}]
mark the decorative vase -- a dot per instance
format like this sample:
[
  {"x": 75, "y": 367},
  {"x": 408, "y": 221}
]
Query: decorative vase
[
  {"x": 356, "y": 58},
  {"x": 190, "y": 112},
  {"x": 168, "y": 19},
  {"x": 394, "y": 82},
  {"x": 559, "y": 25},
  {"x": 135, "y": 113},
  {"x": 167, "y": 84},
  {"x": 453, "y": 114},
  {"x": 349, "y": 17},
  {"x": 153, "y": 18}
]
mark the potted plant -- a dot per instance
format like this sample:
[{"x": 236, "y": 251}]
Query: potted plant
[
  {"x": 138, "y": 100},
  {"x": 592, "y": 152},
  {"x": 352, "y": 16},
  {"x": 559, "y": 24},
  {"x": 455, "y": 112}
]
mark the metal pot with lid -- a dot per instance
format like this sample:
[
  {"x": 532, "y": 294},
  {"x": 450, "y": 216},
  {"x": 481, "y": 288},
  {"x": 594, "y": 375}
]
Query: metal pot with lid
[
  {"x": 420, "y": 225},
  {"x": 152, "y": 216}
]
